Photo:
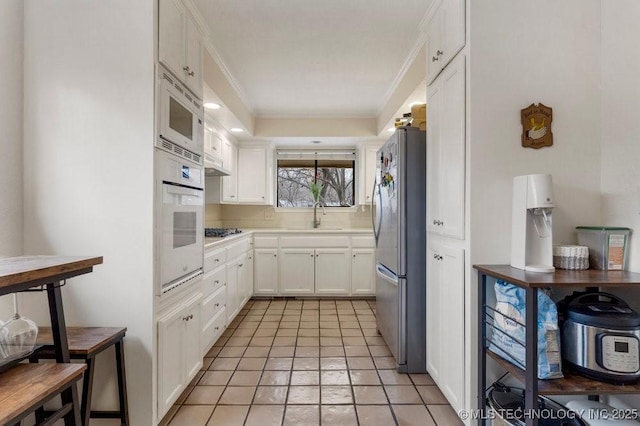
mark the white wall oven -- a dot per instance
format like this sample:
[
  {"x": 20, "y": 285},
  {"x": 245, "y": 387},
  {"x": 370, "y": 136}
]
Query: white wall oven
[
  {"x": 180, "y": 118},
  {"x": 179, "y": 221}
]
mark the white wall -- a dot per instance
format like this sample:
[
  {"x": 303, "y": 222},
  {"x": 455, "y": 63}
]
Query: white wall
[
  {"x": 88, "y": 175},
  {"x": 521, "y": 53},
  {"x": 524, "y": 53},
  {"x": 620, "y": 130},
  {"x": 620, "y": 123},
  {"x": 11, "y": 56}
]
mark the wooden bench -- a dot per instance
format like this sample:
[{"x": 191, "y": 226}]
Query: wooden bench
[
  {"x": 27, "y": 387},
  {"x": 85, "y": 343}
]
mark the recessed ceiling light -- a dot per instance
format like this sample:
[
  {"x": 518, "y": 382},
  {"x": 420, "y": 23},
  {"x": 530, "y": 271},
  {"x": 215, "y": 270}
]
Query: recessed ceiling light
[
  {"x": 316, "y": 142},
  {"x": 212, "y": 105},
  {"x": 391, "y": 129},
  {"x": 236, "y": 129}
]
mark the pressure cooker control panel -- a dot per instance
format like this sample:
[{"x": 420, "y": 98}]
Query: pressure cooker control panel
[{"x": 619, "y": 353}]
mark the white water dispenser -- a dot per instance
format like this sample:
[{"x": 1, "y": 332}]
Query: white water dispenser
[{"x": 531, "y": 220}]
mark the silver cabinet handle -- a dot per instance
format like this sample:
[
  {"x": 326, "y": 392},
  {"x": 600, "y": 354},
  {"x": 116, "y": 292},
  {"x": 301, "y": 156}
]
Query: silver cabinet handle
[
  {"x": 187, "y": 318},
  {"x": 354, "y": 255},
  {"x": 216, "y": 282},
  {"x": 216, "y": 305},
  {"x": 216, "y": 328},
  {"x": 439, "y": 52},
  {"x": 232, "y": 196},
  {"x": 240, "y": 265},
  {"x": 434, "y": 58},
  {"x": 275, "y": 255},
  {"x": 187, "y": 70}
]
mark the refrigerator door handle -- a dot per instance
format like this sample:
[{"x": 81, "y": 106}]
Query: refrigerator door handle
[
  {"x": 385, "y": 274},
  {"x": 376, "y": 230}
]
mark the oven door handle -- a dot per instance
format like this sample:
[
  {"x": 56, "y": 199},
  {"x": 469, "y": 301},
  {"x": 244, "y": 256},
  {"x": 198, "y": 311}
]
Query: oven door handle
[{"x": 181, "y": 190}]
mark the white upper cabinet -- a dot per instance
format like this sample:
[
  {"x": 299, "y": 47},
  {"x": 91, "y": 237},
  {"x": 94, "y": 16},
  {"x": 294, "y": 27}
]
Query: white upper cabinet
[
  {"x": 368, "y": 172},
  {"x": 180, "y": 44},
  {"x": 229, "y": 183},
  {"x": 251, "y": 168},
  {"x": 446, "y": 152},
  {"x": 445, "y": 36},
  {"x": 253, "y": 179}
]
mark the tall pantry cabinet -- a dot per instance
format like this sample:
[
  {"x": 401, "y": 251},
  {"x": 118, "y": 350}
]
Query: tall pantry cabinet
[{"x": 446, "y": 161}]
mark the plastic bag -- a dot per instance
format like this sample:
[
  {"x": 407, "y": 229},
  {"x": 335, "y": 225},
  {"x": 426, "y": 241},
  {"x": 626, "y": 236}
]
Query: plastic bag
[{"x": 510, "y": 301}]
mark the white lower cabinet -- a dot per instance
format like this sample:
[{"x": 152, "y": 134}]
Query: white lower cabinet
[
  {"x": 297, "y": 271},
  {"x": 305, "y": 264},
  {"x": 233, "y": 305},
  {"x": 266, "y": 271},
  {"x": 214, "y": 319},
  {"x": 363, "y": 276},
  {"x": 179, "y": 356},
  {"x": 445, "y": 320},
  {"x": 245, "y": 279},
  {"x": 332, "y": 271}
]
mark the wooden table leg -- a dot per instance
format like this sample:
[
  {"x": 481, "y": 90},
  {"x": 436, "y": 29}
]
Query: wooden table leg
[{"x": 59, "y": 331}]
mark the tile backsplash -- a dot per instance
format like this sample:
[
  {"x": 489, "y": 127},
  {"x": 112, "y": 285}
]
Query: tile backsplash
[{"x": 229, "y": 215}]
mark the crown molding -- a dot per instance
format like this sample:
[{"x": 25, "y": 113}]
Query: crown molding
[
  {"x": 210, "y": 46},
  {"x": 413, "y": 53}
]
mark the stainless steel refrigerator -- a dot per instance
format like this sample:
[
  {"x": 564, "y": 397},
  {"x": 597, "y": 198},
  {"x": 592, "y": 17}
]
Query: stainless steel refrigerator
[{"x": 400, "y": 231}]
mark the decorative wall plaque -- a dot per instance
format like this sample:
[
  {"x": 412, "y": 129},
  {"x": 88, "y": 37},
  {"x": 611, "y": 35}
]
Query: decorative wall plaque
[{"x": 536, "y": 126}]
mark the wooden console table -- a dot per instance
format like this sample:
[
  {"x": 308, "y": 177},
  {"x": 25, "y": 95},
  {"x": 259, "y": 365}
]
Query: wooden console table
[{"x": 24, "y": 273}]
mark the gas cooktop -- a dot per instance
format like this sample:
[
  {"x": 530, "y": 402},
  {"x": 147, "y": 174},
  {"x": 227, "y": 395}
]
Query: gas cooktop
[{"x": 220, "y": 232}]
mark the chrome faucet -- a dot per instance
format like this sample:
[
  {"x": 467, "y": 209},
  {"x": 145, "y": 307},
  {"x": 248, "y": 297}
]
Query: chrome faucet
[{"x": 316, "y": 219}]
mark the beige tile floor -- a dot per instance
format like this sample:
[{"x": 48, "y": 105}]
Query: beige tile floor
[{"x": 311, "y": 362}]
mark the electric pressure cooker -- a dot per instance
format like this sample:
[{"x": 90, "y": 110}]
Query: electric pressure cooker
[{"x": 600, "y": 337}]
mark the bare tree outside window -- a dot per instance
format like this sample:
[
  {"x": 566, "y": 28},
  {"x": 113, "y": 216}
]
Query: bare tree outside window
[{"x": 335, "y": 177}]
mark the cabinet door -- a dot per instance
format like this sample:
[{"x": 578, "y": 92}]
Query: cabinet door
[
  {"x": 333, "y": 271},
  {"x": 192, "y": 333},
  {"x": 452, "y": 323},
  {"x": 434, "y": 140},
  {"x": 363, "y": 276},
  {"x": 249, "y": 274},
  {"x": 229, "y": 183},
  {"x": 243, "y": 280},
  {"x": 434, "y": 312},
  {"x": 434, "y": 48},
  {"x": 232, "y": 291},
  {"x": 266, "y": 272},
  {"x": 171, "y": 377},
  {"x": 446, "y": 152},
  {"x": 446, "y": 36},
  {"x": 193, "y": 58},
  {"x": 171, "y": 36},
  {"x": 445, "y": 320},
  {"x": 453, "y": 36},
  {"x": 252, "y": 175},
  {"x": 452, "y": 170},
  {"x": 296, "y": 271},
  {"x": 370, "y": 163}
]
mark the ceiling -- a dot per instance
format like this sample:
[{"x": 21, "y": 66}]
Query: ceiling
[{"x": 310, "y": 58}]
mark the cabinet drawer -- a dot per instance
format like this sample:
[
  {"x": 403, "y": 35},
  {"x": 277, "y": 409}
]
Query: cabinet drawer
[
  {"x": 314, "y": 242},
  {"x": 363, "y": 242},
  {"x": 238, "y": 249},
  {"x": 266, "y": 242},
  {"x": 213, "y": 329},
  {"x": 213, "y": 259},
  {"x": 213, "y": 280},
  {"x": 213, "y": 304}
]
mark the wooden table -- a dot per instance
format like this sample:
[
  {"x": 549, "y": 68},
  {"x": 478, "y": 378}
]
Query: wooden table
[{"x": 26, "y": 272}]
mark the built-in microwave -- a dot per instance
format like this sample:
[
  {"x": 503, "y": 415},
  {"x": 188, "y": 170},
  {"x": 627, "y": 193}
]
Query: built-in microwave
[{"x": 180, "y": 118}]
